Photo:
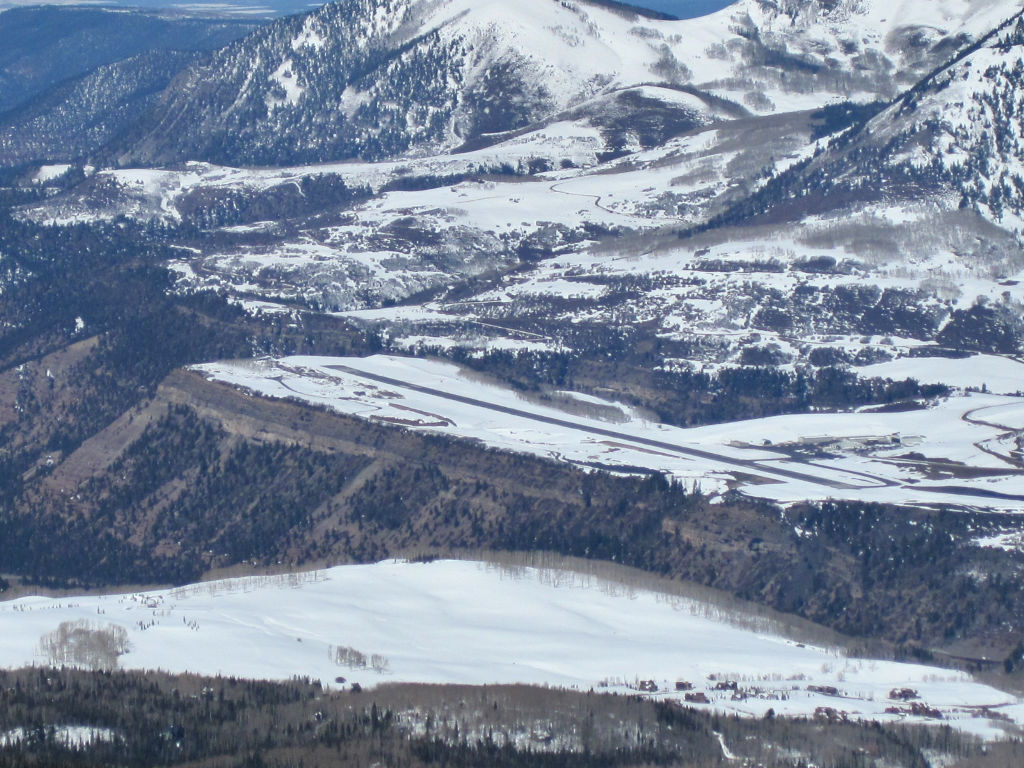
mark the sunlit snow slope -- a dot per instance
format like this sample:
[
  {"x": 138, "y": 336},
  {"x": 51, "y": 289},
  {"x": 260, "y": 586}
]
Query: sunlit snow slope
[{"x": 464, "y": 622}]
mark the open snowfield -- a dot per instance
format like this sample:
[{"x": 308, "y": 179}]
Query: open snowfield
[
  {"x": 988, "y": 372},
  {"x": 467, "y": 622},
  {"x": 959, "y": 452}
]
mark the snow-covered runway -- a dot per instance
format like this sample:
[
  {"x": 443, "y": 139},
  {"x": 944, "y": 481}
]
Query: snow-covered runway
[{"x": 946, "y": 454}]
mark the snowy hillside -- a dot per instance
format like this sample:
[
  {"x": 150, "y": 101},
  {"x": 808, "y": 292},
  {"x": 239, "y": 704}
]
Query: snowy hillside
[
  {"x": 963, "y": 126},
  {"x": 953, "y": 139},
  {"x": 372, "y": 80},
  {"x": 464, "y": 622}
]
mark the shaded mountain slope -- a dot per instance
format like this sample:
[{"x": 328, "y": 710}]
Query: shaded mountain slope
[{"x": 46, "y": 45}]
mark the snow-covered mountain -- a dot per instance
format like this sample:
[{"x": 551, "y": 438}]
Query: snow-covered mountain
[
  {"x": 957, "y": 132},
  {"x": 378, "y": 79},
  {"x": 806, "y": 226}
]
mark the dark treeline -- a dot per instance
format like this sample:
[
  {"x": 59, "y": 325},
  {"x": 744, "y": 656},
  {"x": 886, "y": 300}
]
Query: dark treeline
[
  {"x": 626, "y": 370},
  {"x": 154, "y": 719}
]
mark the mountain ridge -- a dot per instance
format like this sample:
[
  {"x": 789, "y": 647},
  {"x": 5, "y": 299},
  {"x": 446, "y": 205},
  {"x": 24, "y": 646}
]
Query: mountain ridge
[{"x": 269, "y": 99}]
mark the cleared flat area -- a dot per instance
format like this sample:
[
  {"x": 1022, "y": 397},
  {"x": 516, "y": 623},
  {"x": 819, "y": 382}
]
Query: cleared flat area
[
  {"x": 960, "y": 451},
  {"x": 745, "y": 464},
  {"x": 468, "y": 622}
]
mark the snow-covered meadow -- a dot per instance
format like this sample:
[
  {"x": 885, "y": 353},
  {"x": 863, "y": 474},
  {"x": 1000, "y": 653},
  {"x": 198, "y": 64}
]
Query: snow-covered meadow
[
  {"x": 961, "y": 451},
  {"x": 477, "y": 623}
]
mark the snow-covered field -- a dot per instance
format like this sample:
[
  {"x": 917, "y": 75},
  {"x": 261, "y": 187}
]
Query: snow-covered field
[
  {"x": 962, "y": 451},
  {"x": 1001, "y": 375},
  {"x": 148, "y": 193},
  {"x": 467, "y": 622}
]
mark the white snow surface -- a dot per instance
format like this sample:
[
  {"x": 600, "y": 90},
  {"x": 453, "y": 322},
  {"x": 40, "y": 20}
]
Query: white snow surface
[
  {"x": 50, "y": 172},
  {"x": 468, "y": 622},
  {"x": 1008, "y": 542},
  {"x": 290, "y": 91},
  {"x": 74, "y": 736},
  {"x": 1001, "y": 375},
  {"x": 913, "y": 457},
  {"x": 578, "y": 50}
]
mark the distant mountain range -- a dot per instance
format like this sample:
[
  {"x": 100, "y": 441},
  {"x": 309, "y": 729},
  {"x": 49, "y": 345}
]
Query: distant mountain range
[
  {"x": 322, "y": 87},
  {"x": 45, "y": 46}
]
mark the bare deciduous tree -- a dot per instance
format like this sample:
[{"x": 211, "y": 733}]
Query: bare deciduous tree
[{"x": 86, "y": 644}]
